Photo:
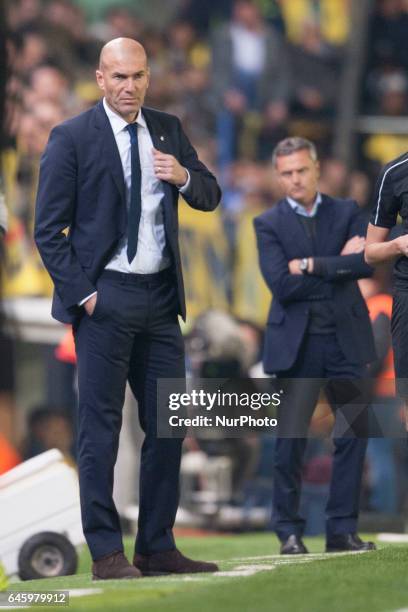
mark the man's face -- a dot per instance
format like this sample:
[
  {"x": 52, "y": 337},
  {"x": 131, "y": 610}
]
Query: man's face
[
  {"x": 298, "y": 176},
  {"x": 124, "y": 79},
  {"x": 246, "y": 14}
]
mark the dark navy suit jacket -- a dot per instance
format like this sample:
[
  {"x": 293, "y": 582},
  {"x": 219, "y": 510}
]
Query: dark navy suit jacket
[
  {"x": 281, "y": 238},
  {"x": 82, "y": 188}
]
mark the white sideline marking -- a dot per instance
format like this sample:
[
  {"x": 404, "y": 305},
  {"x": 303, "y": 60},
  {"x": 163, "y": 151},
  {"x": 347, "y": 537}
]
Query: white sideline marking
[
  {"x": 241, "y": 568},
  {"x": 293, "y": 558},
  {"x": 250, "y": 569},
  {"x": 394, "y": 538},
  {"x": 236, "y": 573},
  {"x": 245, "y": 570},
  {"x": 260, "y": 568},
  {"x": 82, "y": 592}
]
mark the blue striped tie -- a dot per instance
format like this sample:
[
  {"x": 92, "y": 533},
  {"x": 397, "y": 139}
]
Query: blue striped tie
[{"x": 135, "y": 207}]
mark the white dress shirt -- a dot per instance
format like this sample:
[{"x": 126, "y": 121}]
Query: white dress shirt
[
  {"x": 301, "y": 210},
  {"x": 152, "y": 254}
]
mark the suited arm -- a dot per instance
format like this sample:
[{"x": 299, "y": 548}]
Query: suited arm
[
  {"x": 55, "y": 208},
  {"x": 345, "y": 267},
  {"x": 203, "y": 192},
  {"x": 342, "y": 267},
  {"x": 273, "y": 262}
]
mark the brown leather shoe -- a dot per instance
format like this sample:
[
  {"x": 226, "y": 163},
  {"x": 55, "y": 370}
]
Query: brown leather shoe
[
  {"x": 170, "y": 562},
  {"x": 114, "y": 567}
]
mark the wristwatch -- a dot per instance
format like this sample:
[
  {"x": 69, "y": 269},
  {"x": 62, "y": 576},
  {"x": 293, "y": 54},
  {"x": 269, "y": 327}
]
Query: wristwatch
[{"x": 304, "y": 264}]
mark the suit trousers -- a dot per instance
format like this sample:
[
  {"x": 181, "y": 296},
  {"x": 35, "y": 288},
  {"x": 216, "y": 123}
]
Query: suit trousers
[
  {"x": 320, "y": 357},
  {"x": 133, "y": 335}
]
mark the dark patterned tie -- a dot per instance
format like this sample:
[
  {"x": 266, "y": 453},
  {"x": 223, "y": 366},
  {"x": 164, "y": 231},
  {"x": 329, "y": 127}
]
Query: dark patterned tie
[{"x": 135, "y": 207}]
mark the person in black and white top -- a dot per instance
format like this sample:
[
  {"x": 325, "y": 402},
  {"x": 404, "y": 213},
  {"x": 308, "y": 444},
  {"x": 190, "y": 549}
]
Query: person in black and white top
[{"x": 391, "y": 201}]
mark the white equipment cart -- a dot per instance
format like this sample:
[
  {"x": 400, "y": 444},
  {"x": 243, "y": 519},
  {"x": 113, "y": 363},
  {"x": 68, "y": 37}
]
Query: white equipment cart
[{"x": 40, "y": 520}]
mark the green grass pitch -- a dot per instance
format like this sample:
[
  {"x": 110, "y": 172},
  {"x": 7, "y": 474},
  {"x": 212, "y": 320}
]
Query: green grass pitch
[{"x": 253, "y": 578}]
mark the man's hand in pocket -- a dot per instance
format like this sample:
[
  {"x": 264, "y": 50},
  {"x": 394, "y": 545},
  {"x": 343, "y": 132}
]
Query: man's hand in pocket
[{"x": 90, "y": 304}]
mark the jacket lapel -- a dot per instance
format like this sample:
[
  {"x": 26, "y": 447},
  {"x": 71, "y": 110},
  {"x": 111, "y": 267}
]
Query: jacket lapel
[
  {"x": 109, "y": 149},
  {"x": 161, "y": 142},
  {"x": 158, "y": 134}
]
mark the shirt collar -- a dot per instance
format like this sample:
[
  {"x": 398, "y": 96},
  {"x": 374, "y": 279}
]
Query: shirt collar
[
  {"x": 300, "y": 210},
  {"x": 117, "y": 122}
]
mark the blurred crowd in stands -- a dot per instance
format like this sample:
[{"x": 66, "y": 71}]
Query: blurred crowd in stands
[{"x": 241, "y": 75}]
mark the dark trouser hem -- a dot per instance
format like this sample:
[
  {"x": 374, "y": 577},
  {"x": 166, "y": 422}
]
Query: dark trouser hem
[
  {"x": 341, "y": 526},
  {"x": 284, "y": 535},
  {"x": 149, "y": 553},
  {"x": 97, "y": 555}
]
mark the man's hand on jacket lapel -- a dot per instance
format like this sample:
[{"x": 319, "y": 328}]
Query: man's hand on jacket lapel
[{"x": 167, "y": 168}]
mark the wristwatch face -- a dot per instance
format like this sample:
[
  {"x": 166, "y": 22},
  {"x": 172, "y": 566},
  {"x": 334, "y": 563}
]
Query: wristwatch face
[{"x": 303, "y": 264}]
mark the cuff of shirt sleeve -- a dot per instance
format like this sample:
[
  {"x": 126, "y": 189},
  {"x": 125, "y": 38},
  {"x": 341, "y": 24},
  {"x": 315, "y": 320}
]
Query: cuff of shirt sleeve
[
  {"x": 186, "y": 185},
  {"x": 82, "y": 302},
  {"x": 319, "y": 266}
]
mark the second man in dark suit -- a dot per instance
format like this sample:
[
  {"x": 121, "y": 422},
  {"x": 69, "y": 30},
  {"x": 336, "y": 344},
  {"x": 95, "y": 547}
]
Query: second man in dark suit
[{"x": 311, "y": 255}]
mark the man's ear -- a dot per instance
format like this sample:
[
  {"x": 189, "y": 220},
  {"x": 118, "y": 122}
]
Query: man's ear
[{"x": 100, "y": 80}]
